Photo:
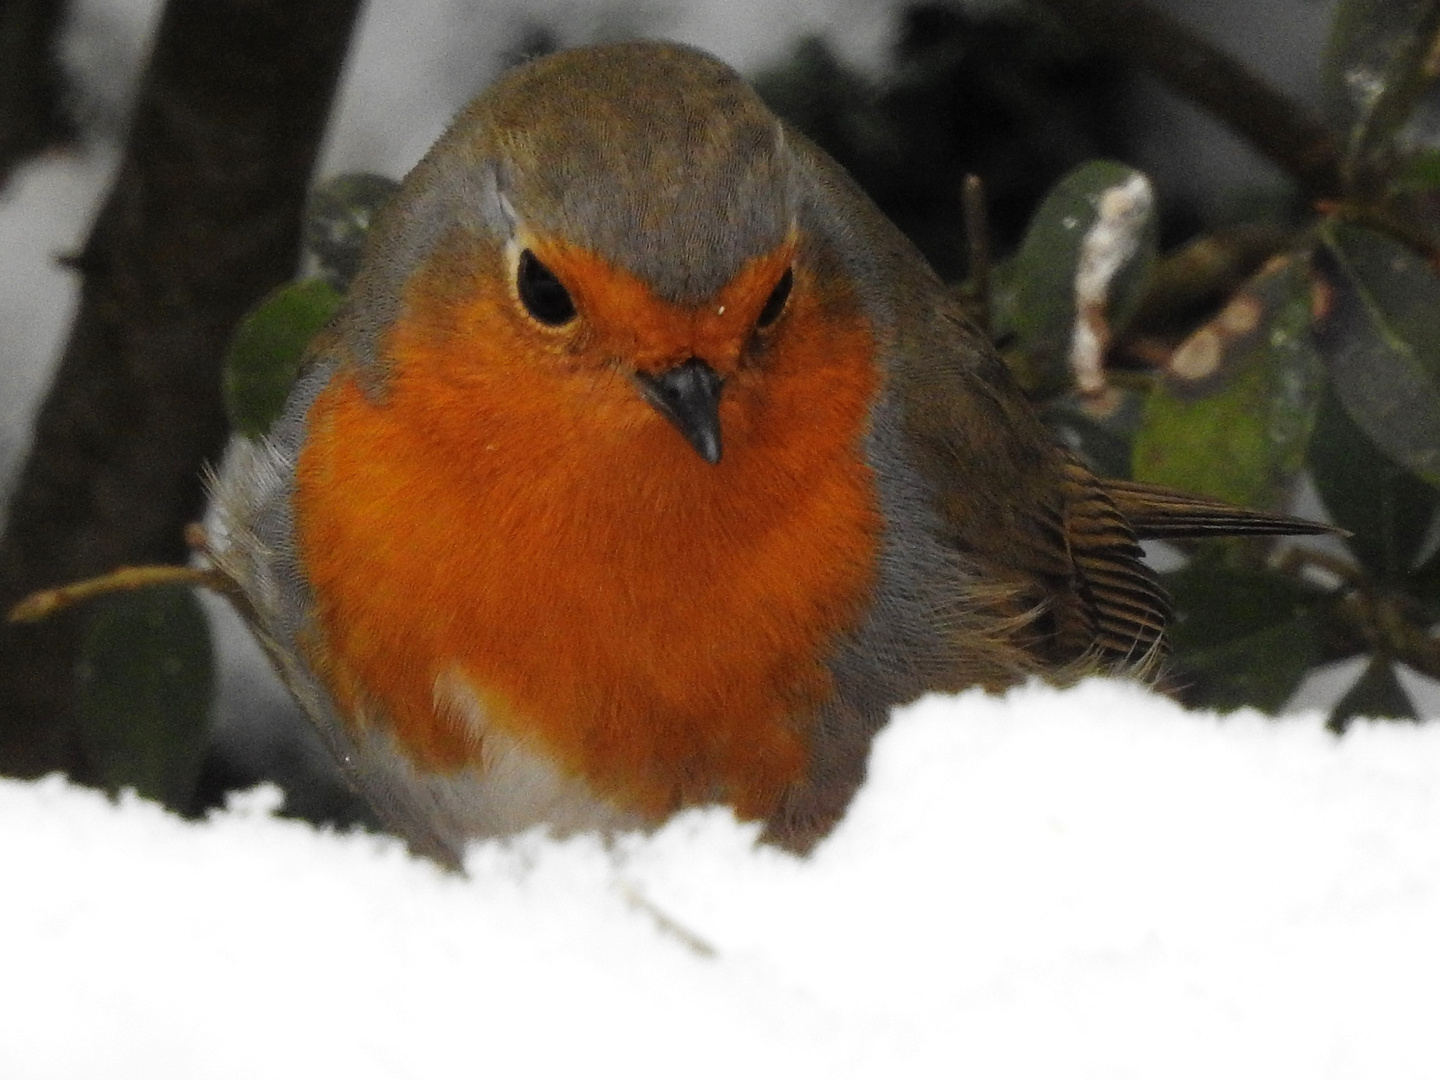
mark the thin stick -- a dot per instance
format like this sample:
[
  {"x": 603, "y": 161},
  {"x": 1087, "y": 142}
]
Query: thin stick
[
  {"x": 46, "y": 602},
  {"x": 1282, "y": 129},
  {"x": 1296, "y": 559},
  {"x": 977, "y": 242},
  {"x": 687, "y": 937}
]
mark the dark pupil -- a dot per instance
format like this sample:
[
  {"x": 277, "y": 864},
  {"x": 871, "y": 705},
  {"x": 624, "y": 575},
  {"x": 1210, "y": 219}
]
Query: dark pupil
[
  {"x": 541, "y": 292},
  {"x": 776, "y": 304}
]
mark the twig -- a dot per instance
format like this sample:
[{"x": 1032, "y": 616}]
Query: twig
[
  {"x": 1397, "y": 227},
  {"x": 46, "y": 602},
  {"x": 1382, "y": 622},
  {"x": 665, "y": 923},
  {"x": 202, "y": 219},
  {"x": 1296, "y": 559},
  {"x": 977, "y": 243},
  {"x": 1370, "y": 618},
  {"x": 1206, "y": 270}
]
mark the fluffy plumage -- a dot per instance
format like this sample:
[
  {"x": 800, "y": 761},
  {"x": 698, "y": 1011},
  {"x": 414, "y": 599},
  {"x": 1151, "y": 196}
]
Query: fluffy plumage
[{"x": 507, "y": 588}]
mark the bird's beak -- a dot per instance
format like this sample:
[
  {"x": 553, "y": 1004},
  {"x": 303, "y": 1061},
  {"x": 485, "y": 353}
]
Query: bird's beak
[{"x": 688, "y": 395}]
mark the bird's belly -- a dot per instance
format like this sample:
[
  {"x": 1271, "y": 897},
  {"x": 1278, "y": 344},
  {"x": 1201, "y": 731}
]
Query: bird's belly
[
  {"x": 656, "y": 630},
  {"x": 512, "y": 787}
]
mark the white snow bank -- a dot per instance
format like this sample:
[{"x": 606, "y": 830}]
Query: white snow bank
[{"x": 1076, "y": 884}]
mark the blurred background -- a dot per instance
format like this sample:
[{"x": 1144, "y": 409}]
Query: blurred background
[{"x": 413, "y": 65}]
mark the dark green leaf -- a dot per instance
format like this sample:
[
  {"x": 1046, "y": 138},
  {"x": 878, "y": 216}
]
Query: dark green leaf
[
  {"x": 1377, "y": 693},
  {"x": 1364, "y": 37},
  {"x": 1242, "y": 636},
  {"x": 1387, "y": 509},
  {"x": 1232, "y": 416},
  {"x": 145, "y": 692},
  {"x": 1417, "y": 209},
  {"x": 265, "y": 353},
  {"x": 1379, "y": 336},
  {"x": 1424, "y": 585},
  {"x": 1041, "y": 280},
  {"x": 1421, "y": 171},
  {"x": 338, "y": 217},
  {"x": 1216, "y": 603},
  {"x": 1262, "y": 670}
]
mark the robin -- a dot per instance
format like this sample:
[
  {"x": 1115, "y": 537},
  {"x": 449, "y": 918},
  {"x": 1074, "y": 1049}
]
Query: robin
[{"x": 647, "y": 465}]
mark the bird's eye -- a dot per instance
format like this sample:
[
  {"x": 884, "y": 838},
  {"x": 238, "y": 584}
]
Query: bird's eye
[
  {"x": 541, "y": 292},
  {"x": 776, "y": 302}
]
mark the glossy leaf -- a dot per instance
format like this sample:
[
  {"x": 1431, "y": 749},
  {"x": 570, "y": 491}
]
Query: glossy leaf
[
  {"x": 1379, "y": 336},
  {"x": 1241, "y": 636},
  {"x": 265, "y": 353},
  {"x": 1373, "y": 75},
  {"x": 1041, "y": 280},
  {"x": 1377, "y": 694},
  {"x": 1363, "y": 40},
  {"x": 1421, "y": 171},
  {"x": 145, "y": 692},
  {"x": 1216, "y": 604},
  {"x": 338, "y": 217},
  {"x": 1423, "y": 586},
  {"x": 1232, "y": 416},
  {"x": 1387, "y": 509},
  {"x": 1418, "y": 207},
  {"x": 1261, "y": 671}
]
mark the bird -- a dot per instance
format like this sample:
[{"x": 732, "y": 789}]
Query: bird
[{"x": 648, "y": 466}]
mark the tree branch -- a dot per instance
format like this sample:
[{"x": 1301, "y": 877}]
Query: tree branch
[
  {"x": 31, "y": 85},
  {"x": 202, "y": 220},
  {"x": 1278, "y": 127}
]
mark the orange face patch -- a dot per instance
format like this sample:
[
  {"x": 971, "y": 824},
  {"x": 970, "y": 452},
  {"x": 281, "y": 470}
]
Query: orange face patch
[{"x": 514, "y": 512}]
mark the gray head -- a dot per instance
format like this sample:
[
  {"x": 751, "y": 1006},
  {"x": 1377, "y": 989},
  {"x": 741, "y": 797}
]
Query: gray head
[{"x": 656, "y": 157}]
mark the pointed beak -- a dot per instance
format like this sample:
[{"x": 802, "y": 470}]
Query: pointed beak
[{"x": 688, "y": 395}]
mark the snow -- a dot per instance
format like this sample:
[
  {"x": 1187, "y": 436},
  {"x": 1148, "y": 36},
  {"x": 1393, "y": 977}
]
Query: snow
[{"x": 1081, "y": 883}]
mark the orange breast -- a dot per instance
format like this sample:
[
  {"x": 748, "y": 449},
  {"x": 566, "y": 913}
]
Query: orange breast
[{"x": 655, "y": 625}]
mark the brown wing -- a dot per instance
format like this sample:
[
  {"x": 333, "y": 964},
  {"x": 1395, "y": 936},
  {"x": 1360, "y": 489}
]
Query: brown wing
[
  {"x": 1121, "y": 610},
  {"x": 1023, "y": 513},
  {"x": 1026, "y": 514}
]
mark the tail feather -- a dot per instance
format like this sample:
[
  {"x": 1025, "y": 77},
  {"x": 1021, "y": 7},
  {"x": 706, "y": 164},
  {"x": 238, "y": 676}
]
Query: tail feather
[{"x": 1158, "y": 513}]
